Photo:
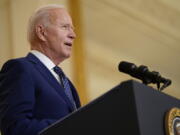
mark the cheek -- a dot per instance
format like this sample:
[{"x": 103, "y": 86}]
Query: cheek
[
  {"x": 55, "y": 35},
  {"x": 58, "y": 39}
]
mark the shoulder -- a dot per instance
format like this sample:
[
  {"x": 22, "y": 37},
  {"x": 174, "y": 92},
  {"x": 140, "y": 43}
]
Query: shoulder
[
  {"x": 19, "y": 64},
  {"x": 15, "y": 71}
]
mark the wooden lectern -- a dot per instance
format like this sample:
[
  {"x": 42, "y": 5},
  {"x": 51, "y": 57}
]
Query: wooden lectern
[{"x": 130, "y": 108}]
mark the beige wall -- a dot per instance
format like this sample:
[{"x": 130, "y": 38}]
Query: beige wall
[
  {"x": 113, "y": 31},
  {"x": 138, "y": 31},
  {"x": 5, "y": 36}
]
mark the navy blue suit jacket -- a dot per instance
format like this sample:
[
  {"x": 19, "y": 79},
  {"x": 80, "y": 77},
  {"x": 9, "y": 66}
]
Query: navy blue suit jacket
[{"x": 30, "y": 97}]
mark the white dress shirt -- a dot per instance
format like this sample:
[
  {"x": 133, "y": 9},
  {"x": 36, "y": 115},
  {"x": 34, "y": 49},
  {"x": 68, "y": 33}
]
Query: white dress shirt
[{"x": 47, "y": 62}]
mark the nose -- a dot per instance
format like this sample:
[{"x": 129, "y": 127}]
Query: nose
[{"x": 72, "y": 34}]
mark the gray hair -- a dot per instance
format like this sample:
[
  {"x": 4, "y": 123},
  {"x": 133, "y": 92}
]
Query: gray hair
[{"x": 41, "y": 14}]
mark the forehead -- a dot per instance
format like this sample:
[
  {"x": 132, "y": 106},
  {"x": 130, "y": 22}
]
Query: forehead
[{"x": 59, "y": 16}]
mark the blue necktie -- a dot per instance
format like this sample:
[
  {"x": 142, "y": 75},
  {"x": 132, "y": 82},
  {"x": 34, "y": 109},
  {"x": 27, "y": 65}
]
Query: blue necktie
[{"x": 65, "y": 84}]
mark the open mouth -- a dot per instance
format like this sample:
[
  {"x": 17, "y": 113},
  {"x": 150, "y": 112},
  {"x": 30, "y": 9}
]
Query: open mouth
[{"x": 68, "y": 44}]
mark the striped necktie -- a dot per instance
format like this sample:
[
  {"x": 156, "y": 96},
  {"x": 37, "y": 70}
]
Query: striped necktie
[{"x": 65, "y": 84}]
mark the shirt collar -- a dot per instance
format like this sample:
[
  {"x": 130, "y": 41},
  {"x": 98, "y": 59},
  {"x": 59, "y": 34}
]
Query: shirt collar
[{"x": 44, "y": 59}]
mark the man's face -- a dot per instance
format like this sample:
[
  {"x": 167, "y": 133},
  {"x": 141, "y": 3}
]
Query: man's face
[{"x": 59, "y": 35}]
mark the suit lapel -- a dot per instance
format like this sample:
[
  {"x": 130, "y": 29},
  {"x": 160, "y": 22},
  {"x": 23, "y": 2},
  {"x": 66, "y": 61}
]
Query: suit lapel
[{"x": 50, "y": 78}]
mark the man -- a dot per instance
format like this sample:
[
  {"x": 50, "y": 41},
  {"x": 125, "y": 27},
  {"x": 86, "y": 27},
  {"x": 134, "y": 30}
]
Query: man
[{"x": 34, "y": 92}]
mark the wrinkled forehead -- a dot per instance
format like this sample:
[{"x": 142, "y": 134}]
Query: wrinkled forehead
[{"x": 59, "y": 15}]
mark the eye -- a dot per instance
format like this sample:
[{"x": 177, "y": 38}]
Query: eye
[{"x": 65, "y": 27}]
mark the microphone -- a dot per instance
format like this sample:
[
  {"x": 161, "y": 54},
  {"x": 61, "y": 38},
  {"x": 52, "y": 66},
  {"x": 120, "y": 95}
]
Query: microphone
[{"x": 143, "y": 74}]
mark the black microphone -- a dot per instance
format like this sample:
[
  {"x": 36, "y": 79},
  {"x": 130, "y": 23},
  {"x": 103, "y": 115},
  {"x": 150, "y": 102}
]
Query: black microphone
[
  {"x": 128, "y": 68},
  {"x": 134, "y": 71},
  {"x": 143, "y": 74}
]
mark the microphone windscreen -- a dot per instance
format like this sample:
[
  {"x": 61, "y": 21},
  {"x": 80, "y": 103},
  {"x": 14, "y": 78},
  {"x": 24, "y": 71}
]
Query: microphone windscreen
[{"x": 126, "y": 67}]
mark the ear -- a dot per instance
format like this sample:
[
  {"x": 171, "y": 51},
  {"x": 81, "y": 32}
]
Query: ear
[{"x": 40, "y": 32}]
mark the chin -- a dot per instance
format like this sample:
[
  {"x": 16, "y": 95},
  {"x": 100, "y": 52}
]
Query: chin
[{"x": 67, "y": 56}]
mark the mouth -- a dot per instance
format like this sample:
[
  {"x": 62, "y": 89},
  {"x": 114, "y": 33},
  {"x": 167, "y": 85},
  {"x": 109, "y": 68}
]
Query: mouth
[{"x": 68, "y": 44}]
